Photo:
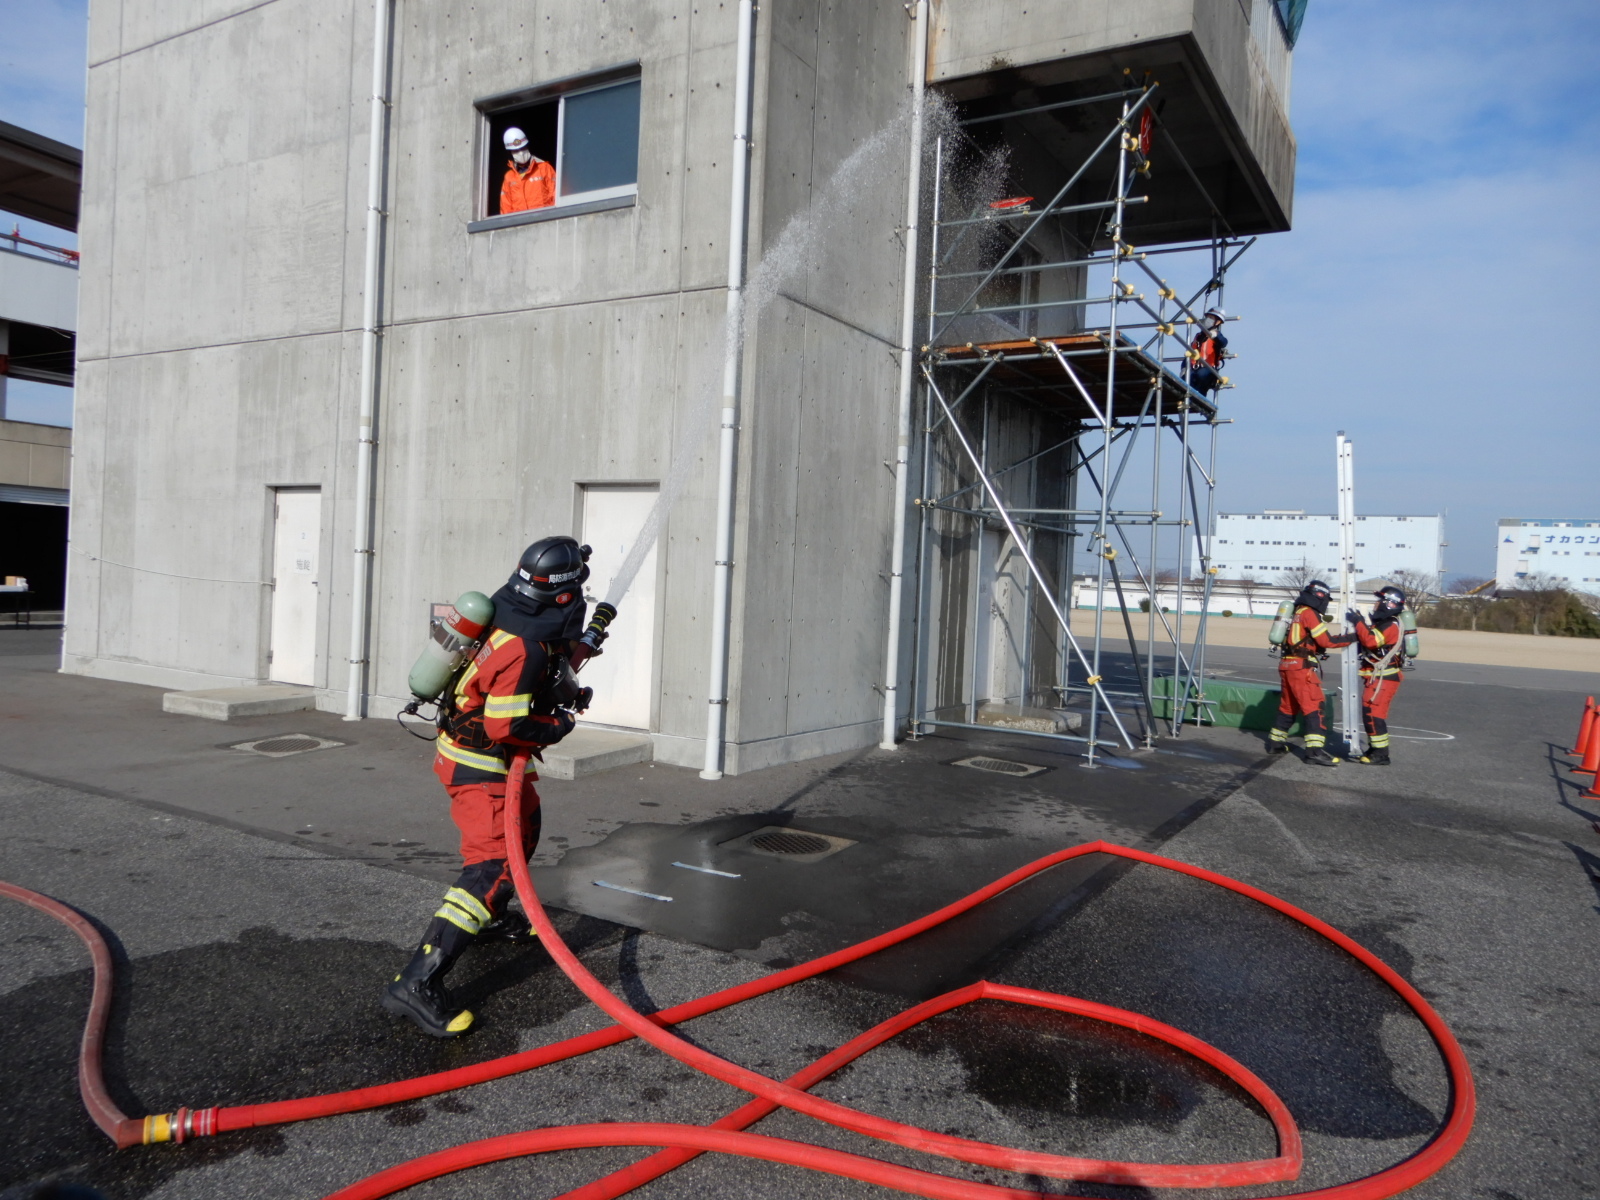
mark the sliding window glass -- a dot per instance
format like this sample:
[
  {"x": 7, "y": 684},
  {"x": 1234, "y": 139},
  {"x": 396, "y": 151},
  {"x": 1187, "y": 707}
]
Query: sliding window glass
[{"x": 573, "y": 145}]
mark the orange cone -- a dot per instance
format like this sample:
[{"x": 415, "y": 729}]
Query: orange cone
[
  {"x": 1585, "y": 727},
  {"x": 1591, "y": 756}
]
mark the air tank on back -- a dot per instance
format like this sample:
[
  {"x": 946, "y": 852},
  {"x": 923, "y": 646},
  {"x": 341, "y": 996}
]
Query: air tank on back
[
  {"x": 450, "y": 639},
  {"x": 1411, "y": 645},
  {"x": 1281, "y": 622}
]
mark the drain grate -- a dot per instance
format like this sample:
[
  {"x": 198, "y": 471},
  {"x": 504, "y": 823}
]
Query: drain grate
[
  {"x": 794, "y": 845},
  {"x": 1000, "y": 766},
  {"x": 282, "y": 745},
  {"x": 791, "y": 843}
]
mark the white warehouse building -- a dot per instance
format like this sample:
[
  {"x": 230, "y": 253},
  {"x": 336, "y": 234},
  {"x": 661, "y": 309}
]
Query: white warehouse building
[
  {"x": 1263, "y": 545},
  {"x": 1565, "y": 550}
]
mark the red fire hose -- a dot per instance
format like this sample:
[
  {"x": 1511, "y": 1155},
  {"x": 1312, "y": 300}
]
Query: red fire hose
[{"x": 680, "y": 1143}]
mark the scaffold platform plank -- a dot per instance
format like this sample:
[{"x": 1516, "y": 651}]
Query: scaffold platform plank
[{"x": 1030, "y": 368}]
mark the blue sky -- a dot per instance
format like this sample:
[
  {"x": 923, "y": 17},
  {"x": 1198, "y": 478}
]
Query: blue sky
[{"x": 1431, "y": 300}]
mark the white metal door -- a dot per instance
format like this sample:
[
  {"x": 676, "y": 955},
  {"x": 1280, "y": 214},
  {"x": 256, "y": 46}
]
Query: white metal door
[
  {"x": 296, "y": 537},
  {"x": 623, "y": 676}
]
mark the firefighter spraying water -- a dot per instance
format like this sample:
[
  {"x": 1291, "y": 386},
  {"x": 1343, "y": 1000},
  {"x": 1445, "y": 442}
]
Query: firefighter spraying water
[{"x": 500, "y": 674}]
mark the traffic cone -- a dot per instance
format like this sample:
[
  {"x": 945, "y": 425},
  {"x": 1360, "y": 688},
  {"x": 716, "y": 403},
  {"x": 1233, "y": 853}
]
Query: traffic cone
[
  {"x": 1585, "y": 728},
  {"x": 1591, "y": 757}
]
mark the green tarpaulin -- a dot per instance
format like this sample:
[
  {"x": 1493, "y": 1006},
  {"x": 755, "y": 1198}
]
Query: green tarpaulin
[{"x": 1239, "y": 705}]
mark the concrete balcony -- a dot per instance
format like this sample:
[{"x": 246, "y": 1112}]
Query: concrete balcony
[{"x": 1223, "y": 67}]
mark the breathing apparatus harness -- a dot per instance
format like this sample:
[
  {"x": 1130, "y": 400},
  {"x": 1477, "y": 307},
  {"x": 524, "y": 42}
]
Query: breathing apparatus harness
[
  {"x": 541, "y": 602},
  {"x": 1286, "y": 636}
]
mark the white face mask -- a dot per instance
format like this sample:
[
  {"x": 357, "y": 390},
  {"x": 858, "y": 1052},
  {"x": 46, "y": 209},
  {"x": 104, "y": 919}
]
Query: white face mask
[{"x": 522, "y": 157}]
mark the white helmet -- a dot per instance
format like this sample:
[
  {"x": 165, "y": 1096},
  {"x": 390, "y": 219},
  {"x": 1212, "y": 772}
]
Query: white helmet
[
  {"x": 514, "y": 139},
  {"x": 1216, "y": 315}
]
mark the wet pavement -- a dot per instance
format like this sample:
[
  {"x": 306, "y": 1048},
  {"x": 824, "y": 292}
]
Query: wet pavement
[{"x": 253, "y": 919}]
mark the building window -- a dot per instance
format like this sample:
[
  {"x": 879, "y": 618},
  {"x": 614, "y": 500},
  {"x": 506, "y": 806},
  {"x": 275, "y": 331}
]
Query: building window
[{"x": 559, "y": 149}]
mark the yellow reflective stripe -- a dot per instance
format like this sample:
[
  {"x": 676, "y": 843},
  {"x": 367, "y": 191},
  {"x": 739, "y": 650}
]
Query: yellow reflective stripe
[
  {"x": 459, "y": 919},
  {"x": 508, "y": 706},
  {"x": 1320, "y": 630},
  {"x": 499, "y": 638},
  {"x": 468, "y": 901},
  {"x": 469, "y": 758}
]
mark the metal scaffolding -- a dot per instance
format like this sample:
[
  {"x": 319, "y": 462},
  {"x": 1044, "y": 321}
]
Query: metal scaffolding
[{"x": 1037, "y": 423}]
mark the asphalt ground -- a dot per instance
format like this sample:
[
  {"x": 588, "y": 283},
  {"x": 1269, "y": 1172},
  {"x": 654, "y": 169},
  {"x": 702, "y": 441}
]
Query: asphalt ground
[{"x": 250, "y": 946}]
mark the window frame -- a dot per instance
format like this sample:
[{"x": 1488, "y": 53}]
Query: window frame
[{"x": 557, "y": 91}]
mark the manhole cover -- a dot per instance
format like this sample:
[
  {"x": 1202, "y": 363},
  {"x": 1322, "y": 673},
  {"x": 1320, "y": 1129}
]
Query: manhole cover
[
  {"x": 284, "y": 744},
  {"x": 795, "y": 845},
  {"x": 1000, "y": 766}
]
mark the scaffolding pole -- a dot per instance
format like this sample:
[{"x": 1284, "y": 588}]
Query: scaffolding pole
[{"x": 1005, "y": 423}]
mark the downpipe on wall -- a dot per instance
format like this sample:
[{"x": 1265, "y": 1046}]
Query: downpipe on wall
[
  {"x": 738, "y": 228},
  {"x": 908, "y": 321},
  {"x": 366, "y": 444}
]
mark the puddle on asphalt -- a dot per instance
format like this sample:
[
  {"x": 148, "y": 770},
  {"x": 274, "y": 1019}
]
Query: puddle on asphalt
[{"x": 1034, "y": 1063}]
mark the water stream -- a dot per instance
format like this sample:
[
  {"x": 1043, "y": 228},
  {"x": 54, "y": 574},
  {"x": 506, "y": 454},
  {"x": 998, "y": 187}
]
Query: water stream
[{"x": 816, "y": 242}]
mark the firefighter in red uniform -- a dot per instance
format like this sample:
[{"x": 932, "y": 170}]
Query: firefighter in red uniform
[
  {"x": 1382, "y": 656},
  {"x": 1300, "y": 674},
  {"x": 514, "y": 696}
]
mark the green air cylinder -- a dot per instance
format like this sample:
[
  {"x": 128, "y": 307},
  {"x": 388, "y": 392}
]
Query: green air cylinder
[
  {"x": 1280, "y": 623},
  {"x": 1411, "y": 644},
  {"x": 449, "y": 641}
]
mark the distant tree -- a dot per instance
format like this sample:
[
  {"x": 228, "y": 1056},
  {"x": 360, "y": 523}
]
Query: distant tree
[
  {"x": 1296, "y": 578},
  {"x": 1419, "y": 587},
  {"x": 1471, "y": 593},
  {"x": 1542, "y": 598},
  {"x": 1250, "y": 586}
]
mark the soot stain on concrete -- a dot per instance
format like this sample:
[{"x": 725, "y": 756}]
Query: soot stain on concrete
[{"x": 264, "y": 1017}]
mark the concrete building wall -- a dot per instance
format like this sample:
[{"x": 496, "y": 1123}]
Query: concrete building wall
[
  {"x": 37, "y": 291},
  {"x": 34, "y": 456},
  {"x": 1565, "y": 550},
  {"x": 223, "y": 235}
]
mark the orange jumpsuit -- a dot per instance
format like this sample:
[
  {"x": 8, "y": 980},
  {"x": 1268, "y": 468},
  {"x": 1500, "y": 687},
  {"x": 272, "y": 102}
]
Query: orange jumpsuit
[
  {"x": 1380, "y": 667},
  {"x": 1299, "y": 678},
  {"x": 491, "y": 717},
  {"x": 535, "y": 188}
]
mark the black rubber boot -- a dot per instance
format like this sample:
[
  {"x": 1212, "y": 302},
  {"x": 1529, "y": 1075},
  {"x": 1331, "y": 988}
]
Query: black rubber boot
[
  {"x": 1277, "y": 747},
  {"x": 508, "y": 927},
  {"x": 418, "y": 995},
  {"x": 1321, "y": 758},
  {"x": 1376, "y": 758}
]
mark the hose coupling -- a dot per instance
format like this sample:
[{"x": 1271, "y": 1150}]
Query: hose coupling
[{"x": 180, "y": 1126}]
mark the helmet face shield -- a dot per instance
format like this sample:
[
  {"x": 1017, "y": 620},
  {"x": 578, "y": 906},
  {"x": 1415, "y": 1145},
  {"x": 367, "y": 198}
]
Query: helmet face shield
[{"x": 1391, "y": 602}]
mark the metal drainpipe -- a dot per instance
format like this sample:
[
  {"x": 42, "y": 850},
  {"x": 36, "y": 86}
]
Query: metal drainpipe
[
  {"x": 366, "y": 446},
  {"x": 908, "y": 320},
  {"x": 738, "y": 224}
]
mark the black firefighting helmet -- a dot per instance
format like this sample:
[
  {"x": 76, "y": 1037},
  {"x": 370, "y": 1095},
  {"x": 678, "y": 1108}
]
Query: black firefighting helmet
[
  {"x": 552, "y": 571},
  {"x": 1315, "y": 595},
  {"x": 1391, "y": 603}
]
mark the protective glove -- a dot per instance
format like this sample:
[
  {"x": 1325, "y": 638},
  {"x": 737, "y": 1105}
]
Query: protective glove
[{"x": 1355, "y": 618}]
